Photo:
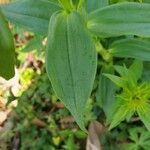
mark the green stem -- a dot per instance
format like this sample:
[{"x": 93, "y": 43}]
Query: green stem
[
  {"x": 103, "y": 52},
  {"x": 66, "y": 5}
]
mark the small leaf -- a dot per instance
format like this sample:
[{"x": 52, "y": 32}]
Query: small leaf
[
  {"x": 70, "y": 144},
  {"x": 121, "y": 70},
  {"x": 119, "y": 114},
  {"x": 121, "y": 19},
  {"x": 71, "y": 62},
  {"x": 146, "y": 71},
  {"x": 7, "y": 50},
  {"x": 134, "y": 134},
  {"x": 30, "y": 14},
  {"x": 136, "y": 70},
  {"x": 131, "y": 75},
  {"x": 144, "y": 116},
  {"x": 117, "y": 80},
  {"x": 140, "y": 139},
  {"x": 131, "y": 48}
]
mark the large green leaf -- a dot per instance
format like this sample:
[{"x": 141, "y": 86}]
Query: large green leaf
[
  {"x": 121, "y": 19},
  {"x": 71, "y": 62},
  {"x": 95, "y": 4},
  {"x": 31, "y": 14},
  {"x": 146, "y": 1},
  {"x": 7, "y": 50},
  {"x": 131, "y": 48}
]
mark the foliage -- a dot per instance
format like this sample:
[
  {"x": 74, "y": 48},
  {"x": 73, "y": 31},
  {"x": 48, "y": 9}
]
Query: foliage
[
  {"x": 90, "y": 45},
  {"x": 7, "y": 56},
  {"x": 140, "y": 139},
  {"x": 36, "y": 118},
  {"x": 134, "y": 97}
]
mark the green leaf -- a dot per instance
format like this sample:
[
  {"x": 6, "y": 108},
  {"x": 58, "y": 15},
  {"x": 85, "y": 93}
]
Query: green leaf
[
  {"x": 131, "y": 48},
  {"x": 131, "y": 75},
  {"x": 70, "y": 144},
  {"x": 66, "y": 4},
  {"x": 30, "y": 14},
  {"x": 136, "y": 70},
  {"x": 131, "y": 146},
  {"x": 71, "y": 62},
  {"x": 134, "y": 134},
  {"x": 121, "y": 19},
  {"x": 146, "y": 71},
  {"x": 140, "y": 139},
  {"x": 145, "y": 139},
  {"x": 119, "y": 113},
  {"x": 95, "y": 4},
  {"x": 126, "y": 75},
  {"x": 105, "y": 94},
  {"x": 144, "y": 116},
  {"x": 146, "y": 1},
  {"x": 121, "y": 70},
  {"x": 7, "y": 50},
  {"x": 117, "y": 80}
]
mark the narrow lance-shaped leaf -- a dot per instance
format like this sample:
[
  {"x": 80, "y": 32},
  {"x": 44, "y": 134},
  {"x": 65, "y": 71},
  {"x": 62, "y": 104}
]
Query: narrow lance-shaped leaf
[
  {"x": 131, "y": 75},
  {"x": 144, "y": 116},
  {"x": 145, "y": 110},
  {"x": 120, "y": 113},
  {"x": 146, "y": 71},
  {"x": 31, "y": 14},
  {"x": 131, "y": 48},
  {"x": 7, "y": 50},
  {"x": 120, "y": 82},
  {"x": 121, "y": 19},
  {"x": 136, "y": 70},
  {"x": 71, "y": 62}
]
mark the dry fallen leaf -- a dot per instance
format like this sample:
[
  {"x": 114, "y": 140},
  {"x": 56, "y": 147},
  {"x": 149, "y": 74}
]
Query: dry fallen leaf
[{"x": 93, "y": 141}]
